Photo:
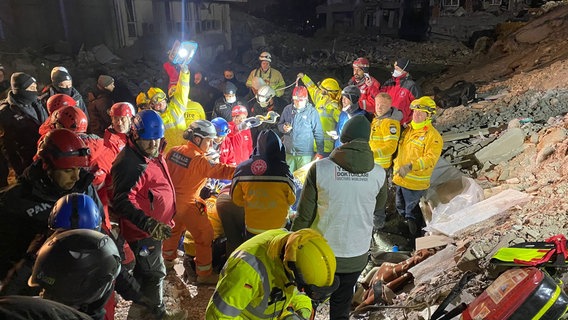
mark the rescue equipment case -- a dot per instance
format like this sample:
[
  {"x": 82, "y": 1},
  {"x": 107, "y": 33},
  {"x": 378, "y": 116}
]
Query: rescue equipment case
[{"x": 519, "y": 294}]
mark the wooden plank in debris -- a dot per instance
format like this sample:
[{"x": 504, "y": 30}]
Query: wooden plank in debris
[
  {"x": 464, "y": 135},
  {"x": 432, "y": 241}
]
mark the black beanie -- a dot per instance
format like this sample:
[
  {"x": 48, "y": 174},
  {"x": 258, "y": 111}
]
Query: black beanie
[
  {"x": 357, "y": 127},
  {"x": 403, "y": 63},
  {"x": 59, "y": 76},
  {"x": 20, "y": 81}
]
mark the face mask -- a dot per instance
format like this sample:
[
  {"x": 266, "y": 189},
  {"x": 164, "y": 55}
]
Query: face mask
[
  {"x": 66, "y": 91},
  {"x": 302, "y": 104},
  {"x": 27, "y": 97},
  {"x": 397, "y": 73},
  {"x": 231, "y": 99}
]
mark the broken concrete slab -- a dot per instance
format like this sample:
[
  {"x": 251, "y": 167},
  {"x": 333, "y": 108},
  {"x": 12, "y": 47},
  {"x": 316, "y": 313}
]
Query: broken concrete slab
[
  {"x": 103, "y": 54},
  {"x": 461, "y": 220},
  {"x": 434, "y": 266},
  {"x": 504, "y": 148}
]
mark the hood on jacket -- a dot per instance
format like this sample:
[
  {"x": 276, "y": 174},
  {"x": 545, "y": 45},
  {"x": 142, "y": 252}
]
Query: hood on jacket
[
  {"x": 355, "y": 154},
  {"x": 393, "y": 113},
  {"x": 269, "y": 145}
]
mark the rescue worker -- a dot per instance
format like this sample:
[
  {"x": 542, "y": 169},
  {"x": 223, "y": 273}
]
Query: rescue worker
[
  {"x": 172, "y": 112},
  {"x": 189, "y": 169},
  {"x": 264, "y": 186},
  {"x": 264, "y": 276},
  {"x": 339, "y": 197},
  {"x": 224, "y": 105},
  {"x": 55, "y": 103},
  {"x": 172, "y": 70},
  {"x": 327, "y": 99},
  {"x": 85, "y": 258},
  {"x": 142, "y": 101},
  {"x": 193, "y": 112},
  {"x": 368, "y": 85},
  {"x": 21, "y": 115},
  {"x": 100, "y": 102},
  {"x": 385, "y": 133},
  {"x": 25, "y": 206},
  {"x": 143, "y": 198},
  {"x": 221, "y": 144},
  {"x": 350, "y": 101},
  {"x": 75, "y": 269},
  {"x": 61, "y": 82},
  {"x": 256, "y": 84},
  {"x": 271, "y": 76},
  {"x": 419, "y": 149},
  {"x": 240, "y": 135},
  {"x": 402, "y": 89},
  {"x": 265, "y": 102},
  {"x": 301, "y": 126}
]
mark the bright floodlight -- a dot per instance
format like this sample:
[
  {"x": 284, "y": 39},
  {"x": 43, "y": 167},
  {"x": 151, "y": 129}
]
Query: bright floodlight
[{"x": 182, "y": 52}]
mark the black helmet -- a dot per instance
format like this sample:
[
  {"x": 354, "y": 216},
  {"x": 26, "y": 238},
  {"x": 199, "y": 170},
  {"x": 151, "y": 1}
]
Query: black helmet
[
  {"x": 352, "y": 93},
  {"x": 229, "y": 88},
  {"x": 76, "y": 267}
]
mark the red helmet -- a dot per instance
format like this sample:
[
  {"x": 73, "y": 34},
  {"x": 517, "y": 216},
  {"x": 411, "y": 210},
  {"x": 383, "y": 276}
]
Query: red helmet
[
  {"x": 238, "y": 110},
  {"x": 63, "y": 149},
  {"x": 300, "y": 93},
  {"x": 58, "y": 101},
  {"x": 121, "y": 109},
  {"x": 71, "y": 118},
  {"x": 361, "y": 63}
]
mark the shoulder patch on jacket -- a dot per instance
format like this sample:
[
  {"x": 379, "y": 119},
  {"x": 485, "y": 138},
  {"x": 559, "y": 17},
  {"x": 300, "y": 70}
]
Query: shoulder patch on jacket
[
  {"x": 179, "y": 159},
  {"x": 258, "y": 167},
  {"x": 392, "y": 129}
]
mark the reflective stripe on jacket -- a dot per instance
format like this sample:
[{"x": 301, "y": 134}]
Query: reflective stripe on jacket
[
  {"x": 253, "y": 283},
  {"x": 173, "y": 116},
  {"x": 385, "y": 132},
  {"x": 422, "y": 148}
]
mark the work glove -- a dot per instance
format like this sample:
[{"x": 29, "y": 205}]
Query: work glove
[
  {"x": 404, "y": 170},
  {"x": 302, "y": 314},
  {"x": 300, "y": 75},
  {"x": 158, "y": 230},
  {"x": 184, "y": 68}
]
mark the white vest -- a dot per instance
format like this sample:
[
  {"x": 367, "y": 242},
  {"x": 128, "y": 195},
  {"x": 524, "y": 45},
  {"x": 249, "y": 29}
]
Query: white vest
[{"x": 346, "y": 204}]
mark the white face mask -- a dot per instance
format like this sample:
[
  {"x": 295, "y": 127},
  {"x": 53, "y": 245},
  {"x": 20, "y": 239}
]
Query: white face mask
[
  {"x": 231, "y": 99},
  {"x": 397, "y": 73},
  {"x": 301, "y": 104}
]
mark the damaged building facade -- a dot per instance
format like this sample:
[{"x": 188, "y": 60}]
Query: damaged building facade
[
  {"x": 409, "y": 19},
  {"x": 76, "y": 23}
]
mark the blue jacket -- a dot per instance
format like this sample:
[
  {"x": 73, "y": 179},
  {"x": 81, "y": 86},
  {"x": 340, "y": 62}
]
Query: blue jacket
[
  {"x": 343, "y": 117},
  {"x": 306, "y": 128}
]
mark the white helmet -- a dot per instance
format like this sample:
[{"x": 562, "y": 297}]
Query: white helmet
[
  {"x": 265, "y": 93},
  {"x": 200, "y": 128},
  {"x": 265, "y": 56}
]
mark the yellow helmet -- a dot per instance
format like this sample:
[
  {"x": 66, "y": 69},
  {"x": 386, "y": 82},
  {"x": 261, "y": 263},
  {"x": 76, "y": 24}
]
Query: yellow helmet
[
  {"x": 142, "y": 100},
  {"x": 311, "y": 261},
  {"x": 425, "y": 104},
  {"x": 156, "y": 95},
  {"x": 332, "y": 87}
]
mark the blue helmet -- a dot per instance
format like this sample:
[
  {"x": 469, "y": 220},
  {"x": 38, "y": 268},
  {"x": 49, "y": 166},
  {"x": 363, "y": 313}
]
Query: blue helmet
[
  {"x": 147, "y": 125},
  {"x": 222, "y": 126},
  {"x": 75, "y": 211}
]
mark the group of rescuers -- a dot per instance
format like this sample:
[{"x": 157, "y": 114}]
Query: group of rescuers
[{"x": 94, "y": 214}]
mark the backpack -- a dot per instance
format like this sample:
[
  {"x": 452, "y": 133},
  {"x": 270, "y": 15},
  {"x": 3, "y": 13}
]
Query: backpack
[{"x": 460, "y": 93}]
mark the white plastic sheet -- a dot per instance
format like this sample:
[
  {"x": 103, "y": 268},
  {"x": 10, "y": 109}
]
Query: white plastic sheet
[{"x": 480, "y": 211}]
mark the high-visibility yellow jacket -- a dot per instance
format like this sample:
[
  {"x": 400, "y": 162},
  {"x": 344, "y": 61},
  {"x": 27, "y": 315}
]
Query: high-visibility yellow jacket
[
  {"x": 173, "y": 116},
  {"x": 328, "y": 110},
  {"x": 272, "y": 77},
  {"x": 422, "y": 148},
  {"x": 385, "y": 132},
  {"x": 253, "y": 283},
  {"x": 194, "y": 111}
]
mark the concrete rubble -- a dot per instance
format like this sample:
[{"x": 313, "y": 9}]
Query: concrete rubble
[{"x": 511, "y": 141}]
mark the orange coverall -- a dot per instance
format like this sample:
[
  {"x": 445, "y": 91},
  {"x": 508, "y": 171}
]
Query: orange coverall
[{"x": 189, "y": 170}]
